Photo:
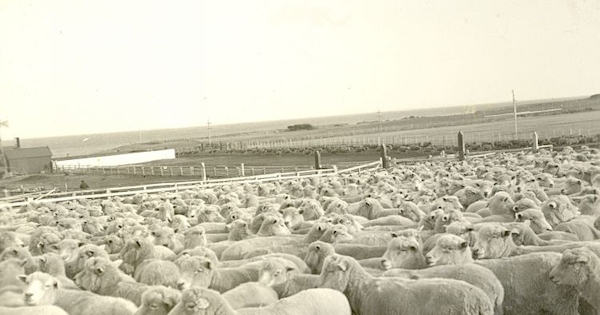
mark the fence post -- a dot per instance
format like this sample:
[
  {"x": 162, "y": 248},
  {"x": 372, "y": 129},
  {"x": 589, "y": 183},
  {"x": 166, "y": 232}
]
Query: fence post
[
  {"x": 162, "y": 172},
  {"x": 384, "y": 158},
  {"x": 181, "y": 170},
  {"x": 203, "y": 171},
  {"x": 535, "y": 145},
  {"x": 242, "y": 171},
  {"x": 461, "y": 146},
  {"x": 171, "y": 169},
  {"x": 317, "y": 160}
]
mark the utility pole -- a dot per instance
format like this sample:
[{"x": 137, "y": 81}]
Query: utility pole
[
  {"x": 208, "y": 127},
  {"x": 3, "y": 162},
  {"x": 379, "y": 117},
  {"x": 515, "y": 112}
]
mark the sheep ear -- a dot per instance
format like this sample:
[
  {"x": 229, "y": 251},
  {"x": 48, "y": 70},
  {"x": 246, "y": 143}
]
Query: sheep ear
[
  {"x": 464, "y": 245},
  {"x": 343, "y": 265},
  {"x": 42, "y": 259},
  {"x": 138, "y": 243},
  {"x": 90, "y": 253},
  {"x": 54, "y": 247},
  {"x": 552, "y": 205},
  {"x": 288, "y": 269},
  {"x": 208, "y": 264},
  {"x": 318, "y": 247},
  {"x": 23, "y": 278},
  {"x": 394, "y": 235},
  {"x": 99, "y": 270},
  {"x": 23, "y": 262},
  {"x": 582, "y": 259},
  {"x": 202, "y": 303},
  {"x": 518, "y": 215},
  {"x": 505, "y": 233},
  {"x": 414, "y": 277}
]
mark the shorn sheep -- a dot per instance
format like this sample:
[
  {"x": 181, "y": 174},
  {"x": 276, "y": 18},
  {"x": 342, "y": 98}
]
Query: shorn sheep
[
  {"x": 33, "y": 310},
  {"x": 43, "y": 289},
  {"x": 197, "y": 301},
  {"x": 387, "y": 296},
  {"x": 158, "y": 301}
]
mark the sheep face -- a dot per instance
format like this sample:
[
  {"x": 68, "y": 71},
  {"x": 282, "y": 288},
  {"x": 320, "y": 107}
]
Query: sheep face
[
  {"x": 97, "y": 274},
  {"x": 238, "y": 230},
  {"x": 194, "y": 237},
  {"x": 536, "y": 218},
  {"x": 65, "y": 247},
  {"x": 447, "y": 218},
  {"x": 51, "y": 263},
  {"x": 158, "y": 301},
  {"x": 559, "y": 209},
  {"x": 44, "y": 244},
  {"x": 162, "y": 236},
  {"x": 449, "y": 250},
  {"x": 114, "y": 244},
  {"x": 292, "y": 216},
  {"x": 335, "y": 274},
  {"x": 400, "y": 250},
  {"x": 316, "y": 253},
  {"x": 40, "y": 289},
  {"x": 195, "y": 271},
  {"x": 8, "y": 239},
  {"x": 575, "y": 268},
  {"x": 311, "y": 210},
  {"x": 210, "y": 214},
  {"x": 411, "y": 211},
  {"x": 196, "y": 301},
  {"x": 350, "y": 223},
  {"x": 524, "y": 204},
  {"x": 274, "y": 271},
  {"x": 273, "y": 226},
  {"x": 335, "y": 234},
  {"x": 492, "y": 242},
  {"x": 75, "y": 263},
  {"x": 180, "y": 223},
  {"x": 501, "y": 203},
  {"x": 428, "y": 221},
  {"x": 92, "y": 226}
]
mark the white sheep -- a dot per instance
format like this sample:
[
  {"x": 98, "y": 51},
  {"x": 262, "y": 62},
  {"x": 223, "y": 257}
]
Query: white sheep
[
  {"x": 386, "y": 296},
  {"x": 33, "y": 310},
  {"x": 580, "y": 268},
  {"x": 158, "y": 301},
  {"x": 43, "y": 289},
  {"x": 310, "y": 302}
]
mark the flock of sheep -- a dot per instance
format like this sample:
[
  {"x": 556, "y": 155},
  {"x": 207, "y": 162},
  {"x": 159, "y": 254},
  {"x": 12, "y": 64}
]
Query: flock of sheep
[{"x": 504, "y": 234}]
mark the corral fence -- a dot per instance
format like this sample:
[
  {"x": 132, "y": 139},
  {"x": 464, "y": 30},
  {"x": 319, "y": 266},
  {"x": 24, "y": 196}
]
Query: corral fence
[
  {"x": 182, "y": 186},
  {"x": 410, "y": 140}
]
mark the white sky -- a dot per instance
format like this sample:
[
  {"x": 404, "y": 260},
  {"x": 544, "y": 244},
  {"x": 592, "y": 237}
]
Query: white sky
[{"x": 72, "y": 66}]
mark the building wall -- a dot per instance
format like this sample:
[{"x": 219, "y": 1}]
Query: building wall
[
  {"x": 30, "y": 165},
  {"x": 120, "y": 159}
]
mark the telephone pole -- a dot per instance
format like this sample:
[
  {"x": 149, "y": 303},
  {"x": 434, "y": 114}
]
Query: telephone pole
[
  {"x": 208, "y": 127},
  {"x": 3, "y": 162},
  {"x": 515, "y": 112}
]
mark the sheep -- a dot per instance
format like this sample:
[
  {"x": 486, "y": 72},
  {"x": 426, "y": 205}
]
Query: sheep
[
  {"x": 273, "y": 226},
  {"x": 250, "y": 294},
  {"x": 139, "y": 250},
  {"x": 65, "y": 247},
  {"x": 590, "y": 205},
  {"x": 8, "y": 239},
  {"x": 559, "y": 209},
  {"x": 500, "y": 209},
  {"x": 238, "y": 230},
  {"x": 157, "y": 272},
  {"x": 75, "y": 263},
  {"x": 527, "y": 285},
  {"x": 368, "y": 295},
  {"x": 539, "y": 224},
  {"x": 579, "y": 268},
  {"x": 403, "y": 252},
  {"x": 310, "y": 302},
  {"x": 33, "y": 310},
  {"x": 199, "y": 271},
  {"x": 21, "y": 253},
  {"x": 158, "y": 301},
  {"x": 102, "y": 276},
  {"x": 193, "y": 237},
  {"x": 43, "y": 289},
  {"x": 283, "y": 276},
  {"x": 493, "y": 241},
  {"x": 10, "y": 287},
  {"x": 582, "y": 226},
  {"x": 53, "y": 265},
  {"x": 476, "y": 275},
  {"x": 449, "y": 249}
]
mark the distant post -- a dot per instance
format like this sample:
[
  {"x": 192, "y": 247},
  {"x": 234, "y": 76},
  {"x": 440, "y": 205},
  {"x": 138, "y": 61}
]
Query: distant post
[
  {"x": 243, "y": 172},
  {"x": 317, "y": 160},
  {"x": 385, "y": 162},
  {"x": 535, "y": 146},
  {"x": 203, "y": 171},
  {"x": 461, "y": 146}
]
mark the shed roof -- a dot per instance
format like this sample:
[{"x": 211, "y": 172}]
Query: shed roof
[{"x": 23, "y": 153}]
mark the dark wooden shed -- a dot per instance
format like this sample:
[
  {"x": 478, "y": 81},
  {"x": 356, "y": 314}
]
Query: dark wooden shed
[{"x": 28, "y": 160}]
